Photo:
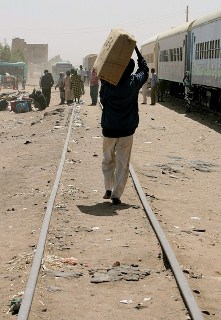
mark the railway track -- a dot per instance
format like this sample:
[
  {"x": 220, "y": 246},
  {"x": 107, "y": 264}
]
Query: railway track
[{"x": 72, "y": 262}]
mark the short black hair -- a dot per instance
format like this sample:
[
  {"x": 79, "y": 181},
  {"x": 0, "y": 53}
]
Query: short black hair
[{"x": 127, "y": 72}]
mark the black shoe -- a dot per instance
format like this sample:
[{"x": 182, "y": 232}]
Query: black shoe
[
  {"x": 143, "y": 103},
  {"x": 116, "y": 201},
  {"x": 107, "y": 194}
]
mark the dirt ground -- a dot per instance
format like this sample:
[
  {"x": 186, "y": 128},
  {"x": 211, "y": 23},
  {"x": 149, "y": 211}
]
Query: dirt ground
[{"x": 177, "y": 160}]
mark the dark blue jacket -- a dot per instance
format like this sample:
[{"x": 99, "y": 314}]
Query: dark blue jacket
[{"x": 120, "y": 116}]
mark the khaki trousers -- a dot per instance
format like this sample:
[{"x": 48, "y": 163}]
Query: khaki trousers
[
  {"x": 144, "y": 92},
  {"x": 115, "y": 164},
  {"x": 153, "y": 94}
]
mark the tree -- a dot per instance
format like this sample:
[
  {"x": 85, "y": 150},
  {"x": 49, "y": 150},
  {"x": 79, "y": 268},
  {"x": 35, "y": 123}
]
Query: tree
[
  {"x": 8, "y": 55},
  {"x": 5, "y": 52},
  {"x": 17, "y": 56},
  {"x": 56, "y": 59}
]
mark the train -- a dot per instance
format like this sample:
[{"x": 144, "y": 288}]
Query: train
[
  {"x": 191, "y": 49},
  {"x": 61, "y": 66}
]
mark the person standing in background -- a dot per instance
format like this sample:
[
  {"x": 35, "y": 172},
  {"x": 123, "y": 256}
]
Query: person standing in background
[
  {"x": 67, "y": 87},
  {"x": 60, "y": 85},
  {"x": 76, "y": 86},
  {"x": 153, "y": 84},
  {"x": 82, "y": 73},
  {"x": 46, "y": 84},
  {"x": 94, "y": 85},
  {"x": 144, "y": 93}
]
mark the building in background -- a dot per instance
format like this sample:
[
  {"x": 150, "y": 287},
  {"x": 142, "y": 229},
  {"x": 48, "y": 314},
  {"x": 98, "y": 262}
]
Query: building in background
[
  {"x": 33, "y": 53},
  {"x": 89, "y": 61},
  {"x": 36, "y": 57}
]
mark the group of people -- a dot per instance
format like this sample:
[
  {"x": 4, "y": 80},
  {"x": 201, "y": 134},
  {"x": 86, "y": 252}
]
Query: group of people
[
  {"x": 12, "y": 81},
  {"x": 71, "y": 86}
]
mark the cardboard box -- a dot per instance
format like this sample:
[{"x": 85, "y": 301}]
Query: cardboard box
[{"x": 115, "y": 55}]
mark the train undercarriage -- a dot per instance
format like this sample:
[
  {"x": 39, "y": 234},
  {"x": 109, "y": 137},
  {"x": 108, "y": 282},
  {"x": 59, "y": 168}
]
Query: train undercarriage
[{"x": 198, "y": 95}]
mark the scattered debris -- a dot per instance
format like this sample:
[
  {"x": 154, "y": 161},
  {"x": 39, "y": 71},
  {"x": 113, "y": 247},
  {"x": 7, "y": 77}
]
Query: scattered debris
[
  {"x": 16, "y": 303},
  {"x": 121, "y": 272},
  {"x": 126, "y": 301}
]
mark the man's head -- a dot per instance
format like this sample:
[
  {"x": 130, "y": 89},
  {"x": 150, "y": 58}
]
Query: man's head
[
  {"x": 129, "y": 69},
  {"x": 152, "y": 70},
  {"x": 46, "y": 71}
]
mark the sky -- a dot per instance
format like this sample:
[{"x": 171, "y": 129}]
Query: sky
[{"x": 75, "y": 28}]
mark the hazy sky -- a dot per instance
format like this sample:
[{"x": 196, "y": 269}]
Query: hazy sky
[{"x": 76, "y": 28}]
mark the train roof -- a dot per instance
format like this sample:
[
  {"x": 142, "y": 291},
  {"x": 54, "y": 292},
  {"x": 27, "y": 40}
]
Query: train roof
[
  {"x": 150, "y": 40},
  {"x": 90, "y": 55},
  {"x": 176, "y": 30},
  {"x": 207, "y": 19}
]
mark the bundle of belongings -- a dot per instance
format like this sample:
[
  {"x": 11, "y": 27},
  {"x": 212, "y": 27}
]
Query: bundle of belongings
[
  {"x": 38, "y": 99},
  {"x": 21, "y": 106},
  {"x": 3, "y": 104},
  {"x": 15, "y": 102}
]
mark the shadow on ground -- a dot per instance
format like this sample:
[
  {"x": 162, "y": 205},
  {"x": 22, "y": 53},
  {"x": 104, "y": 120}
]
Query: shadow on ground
[{"x": 103, "y": 209}]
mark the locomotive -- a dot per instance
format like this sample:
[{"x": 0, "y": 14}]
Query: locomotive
[{"x": 190, "y": 50}]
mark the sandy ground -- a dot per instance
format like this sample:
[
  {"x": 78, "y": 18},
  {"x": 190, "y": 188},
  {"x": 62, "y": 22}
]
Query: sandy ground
[{"x": 177, "y": 160}]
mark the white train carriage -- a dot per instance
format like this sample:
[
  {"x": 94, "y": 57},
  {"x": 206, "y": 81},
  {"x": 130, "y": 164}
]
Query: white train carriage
[
  {"x": 173, "y": 49},
  {"x": 194, "y": 47},
  {"x": 206, "y": 59}
]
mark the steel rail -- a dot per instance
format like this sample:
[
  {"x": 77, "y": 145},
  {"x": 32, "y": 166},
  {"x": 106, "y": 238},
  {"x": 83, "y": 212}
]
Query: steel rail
[
  {"x": 32, "y": 280},
  {"x": 185, "y": 290}
]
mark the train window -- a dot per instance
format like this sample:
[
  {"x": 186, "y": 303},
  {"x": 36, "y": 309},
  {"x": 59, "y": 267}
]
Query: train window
[
  {"x": 202, "y": 50},
  {"x": 181, "y": 54},
  {"x": 178, "y": 54},
  {"x": 150, "y": 57},
  {"x": 207, "y": 49},
  {"x": 164, "y": 56},
  {"x": 174, "y": 53},
  {"x": 217, "y": 49},
  {"x": 171, "y": 54},
  {"x": 211, "y": 49},
  {"x": 197, "y": 51}
]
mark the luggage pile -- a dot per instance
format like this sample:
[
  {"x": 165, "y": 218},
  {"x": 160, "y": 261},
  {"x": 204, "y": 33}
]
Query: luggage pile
[
  {"x": 22, "y": 101},
  {"x": 17, "y": 103}
]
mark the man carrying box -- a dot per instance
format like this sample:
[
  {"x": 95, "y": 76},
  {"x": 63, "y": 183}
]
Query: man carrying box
[{"x": 119, "y": 121}]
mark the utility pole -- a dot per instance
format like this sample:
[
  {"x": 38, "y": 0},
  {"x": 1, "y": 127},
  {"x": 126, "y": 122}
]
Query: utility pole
[{"x": 187, "y": 13}]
